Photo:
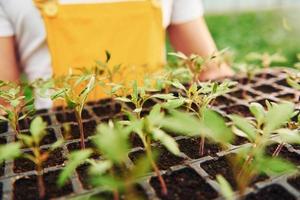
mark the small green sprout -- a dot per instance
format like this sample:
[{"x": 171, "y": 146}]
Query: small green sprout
[
  {"x": 250, "y": 161},
  {"x": 38, "y": 156},
  {"x": 139, "y": 96},
  {"x": 15, "y": 105},
  {"x": 266, "y": 59},
  {"x": 75, "y": 100},
  {"x": 225, "y": 187},
  {"x": 202, "y": 96},
  {"x": 109, "y": 172}
]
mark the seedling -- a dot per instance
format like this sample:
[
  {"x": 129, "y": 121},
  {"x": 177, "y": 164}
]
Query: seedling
[
  {"x": 267, "y": 123},
  {"x": 148, "y": 129},
  {"x": 76, "y": 100},
  {"x": 139, "y": 96},
  {"x": 266, "y": 59},
  {"x": 14, "y": 105},
  {"x": 103, "y": 171},
  {"x": 38, "y": 156},
  {"x": 197, "y": 99}
]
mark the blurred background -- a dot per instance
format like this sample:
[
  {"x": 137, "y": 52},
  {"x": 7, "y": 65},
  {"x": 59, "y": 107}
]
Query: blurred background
[{"x": 246, "y": 26}]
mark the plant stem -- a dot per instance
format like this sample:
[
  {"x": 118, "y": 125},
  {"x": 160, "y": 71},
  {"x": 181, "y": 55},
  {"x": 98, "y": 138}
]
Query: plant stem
[
  {"x": 163, "y": 185},
  {"x": 40, "y": 181},
  {"x": 79, "y": 122},
  {"x": 202, "y": 144},
  {"x": 278, "y": 150}
]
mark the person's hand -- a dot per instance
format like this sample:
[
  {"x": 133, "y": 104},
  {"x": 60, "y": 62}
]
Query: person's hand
[{"x": 213, "y": 72}]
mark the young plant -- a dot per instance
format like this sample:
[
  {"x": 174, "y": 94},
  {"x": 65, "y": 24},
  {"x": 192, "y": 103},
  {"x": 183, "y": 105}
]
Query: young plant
[
  {"x": 14, "y": 104},
  {"x": 38, "y": 156},
  {"x": 139, "y": 96},
  {"x": 266, "y": 59},
  {"x": 267, "y": 123},
  {"x": 198, "y": 98},
  {"x": 109, "y": 172},
  {"x": 74, "y": 97}
]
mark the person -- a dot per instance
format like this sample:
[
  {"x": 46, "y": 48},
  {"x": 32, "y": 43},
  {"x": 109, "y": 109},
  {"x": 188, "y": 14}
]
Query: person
[{"x": 45, "y": 37}]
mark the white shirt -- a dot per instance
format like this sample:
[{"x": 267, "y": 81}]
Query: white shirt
[{"x": 23, "y": 20}]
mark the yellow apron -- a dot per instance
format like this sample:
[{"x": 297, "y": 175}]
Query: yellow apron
[{"x": 79, "y": 34}]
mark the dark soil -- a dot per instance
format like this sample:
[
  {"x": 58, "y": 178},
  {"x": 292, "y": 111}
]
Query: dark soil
[
  {"x": 239, "y": 140},
  {"x": 2, "y": 166},
  {"x": 267, "y": 89},
  {"x": 287, "y": 97},
  {"x": 3, "y": 127},
  {"x": 107, "y": 110},
  {"x": 71, "y": 117},
  {"x": 135, "y": 140},
  {"x": 238, "y": 109},
  {"x": 48, "y": 139},
  {"x": 1, "y": 189},
  {"x": 284, "y": 154},
  {"x": 138, "y": 193},
  {"x": 25, "y": 123},
  {"x": 264, "y": 75},
  {"x": 2, "y": 140},
  {"x": 263, "y": 102},
  {"x": 184, "y": 184},
  {"x": 240, "y": 94},
  {"x": 89, "y": 129},
  {"x": 41, "y": 111},
  {"x": 191, "y": 148},
  {"x": 24, "y": 165},
  {"x": 283, "y": 83},
  {"x": 165, "y": 159},
  {"x": 26, "y": 188},
  {"x": 221, "y": 100},
  {"x": 223, "y": 167},
  {"x": 83, "y": 175},
  {"x": 271, "y": 192},
  {"x": 295, "y": 182}
]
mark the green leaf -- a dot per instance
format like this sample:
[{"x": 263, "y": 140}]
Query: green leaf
[
  {"x": 289, "y": 136},
  {"x": 163, "y": 96},
  {"x": 56, "y": 144},
  {"x": 76, "y": 158},
  {"x": 26, "y": 139},
  {"x": 99, "y": 167},
  {"x": 245, "y": 126},
  {"x": 9, "y": 151},
  {"x": 226, "y": 189},
  {"x": 278, "y": 115},
  {"x": 182, "y": 123},
  {"x": 173, "y": 103},
  {"x": 215, "y": 127},
  {"x": 178, "y": 85},
  {"x": 274, "y": 166},
  {"x": 258, "y": 112},
  {"x": 167, "y": 141},
  {"x": 106, "y": 136},
  {"x": 123, "y": 99},
  {"x": 38, "y": 129},
  {"x": 141, "y": 167}
]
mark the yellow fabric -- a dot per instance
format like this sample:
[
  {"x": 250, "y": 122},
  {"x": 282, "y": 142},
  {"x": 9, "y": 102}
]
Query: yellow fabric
[{"x": 79, "y": 34}]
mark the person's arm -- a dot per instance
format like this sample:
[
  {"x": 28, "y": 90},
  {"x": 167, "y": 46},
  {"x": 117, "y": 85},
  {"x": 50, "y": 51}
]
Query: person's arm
[
  {"x": 9, "y": 70},
  {"x": 194, "y": 37}
]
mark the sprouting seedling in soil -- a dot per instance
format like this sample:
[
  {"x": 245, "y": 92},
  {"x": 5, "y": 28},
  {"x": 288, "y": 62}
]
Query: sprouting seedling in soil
[
  {"x": 76, "y": 100},
  {"x": 266, "y": 59},
  {"x": 198, "y": 98},
  {"x": 293, "y": 79},
  {"x": 38, "y": 156},
  {"x": 9, "y": 151},
  {"x": 110, "y": 171},
  {"x": 225, "y": 187},
  {"x": 139, "y": 96},
  {"x": 14, "y": 104},
  {"x": 267, "y": 123},
  {"x": 196, "y": 64},
  {"x": 149, "y": 129}
]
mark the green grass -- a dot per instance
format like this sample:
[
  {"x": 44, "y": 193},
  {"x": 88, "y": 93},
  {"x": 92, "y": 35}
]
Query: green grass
[{"x": 257, "y": 31}]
